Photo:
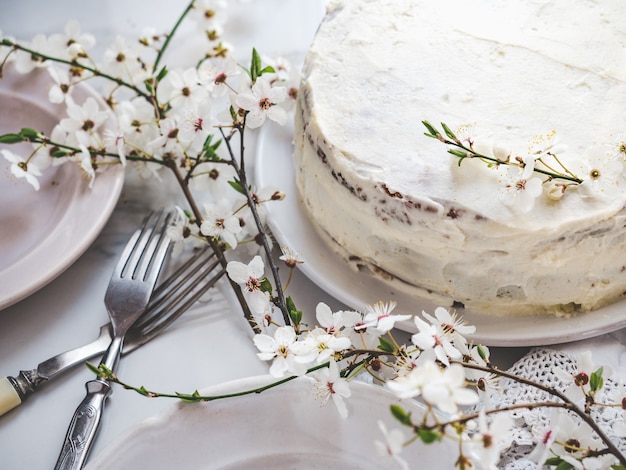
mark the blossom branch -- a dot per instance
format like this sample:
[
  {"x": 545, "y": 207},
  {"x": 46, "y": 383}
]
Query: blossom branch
[
  {"x": 241, "y": 174},
  {"x": 451, "y": 139},
  {"x": 567, "y": 403},
  {"x": 75, "y": 63},
  {"x": 171, "y": 34}
]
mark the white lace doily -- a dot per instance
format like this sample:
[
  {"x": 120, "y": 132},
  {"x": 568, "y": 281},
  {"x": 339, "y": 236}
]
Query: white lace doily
[{"x": 538, "y": 365}]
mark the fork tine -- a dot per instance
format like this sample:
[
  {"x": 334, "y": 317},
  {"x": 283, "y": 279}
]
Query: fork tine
[
  {"x": 149, "y": 250},
  {"x": 199, "y": 283},
  {"x": 197, "y": 268},
  {"x": 163, "y": 322}
]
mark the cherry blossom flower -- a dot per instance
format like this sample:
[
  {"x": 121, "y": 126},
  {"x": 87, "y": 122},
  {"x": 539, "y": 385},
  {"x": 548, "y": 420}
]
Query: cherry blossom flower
[
  {"x": 83, "y": 122},
  {"x": 329, "y": 384},
  {"x": 618, "y": 148},
  {"x": 25, "y": 62},
  {"x": 179, "y": 230},
  {"x": 602, "y": 176},
  {"x": 209, "y": 14},
  {"x": 261, "y": 103},
  {"x": 392, "y": 446},
  {"x": 123, "y": 61},
  {"x": 319, "y": 346},
  {"x": 379, "y": 316},
  {"x": 72, "y": 44},
  {"x": 61, "y": 90},
  {"x": 546, "y": 145},
  {"x": 182, "y": 89},
  {"x": 217, "y": 73},
  {"x": 219, "y": 222},
  {"x": 519, "y": 187},
  {"x": 442, "y": 388},
  {"x": 286, "y": 76},
  {"x": 291, "y": 257},
  {"x": 433, "y": 337},
  {"x": 195, "y": 126},
  {"x": 280, "y": 349},
  {"x": 492, "y": 439},
  {"x": 20, "y": 168},
  {"x": 573, "y": 441},
  {"x": 545, "y": 437},
  {"x": 168, "y": 142},
  {"x": 578, "y": 383},
  {"x": 86, "y": 164},
  {"x": 359, "y": 334},
  {"x": 451, "y": 324},
  {"x": 333, "y": 322},
  {"x": 250, "y": 277}
]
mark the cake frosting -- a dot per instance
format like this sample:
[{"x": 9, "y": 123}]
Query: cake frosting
[{"x": 519, "y": 80}]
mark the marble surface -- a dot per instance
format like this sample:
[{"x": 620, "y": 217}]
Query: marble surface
[{"x": 211, "y": 343}]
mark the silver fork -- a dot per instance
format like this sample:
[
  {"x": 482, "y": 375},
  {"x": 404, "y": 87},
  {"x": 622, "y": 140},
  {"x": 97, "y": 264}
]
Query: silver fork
[
  {"x": 127, "y": 296},
  {"x": 169, "y": 301}
]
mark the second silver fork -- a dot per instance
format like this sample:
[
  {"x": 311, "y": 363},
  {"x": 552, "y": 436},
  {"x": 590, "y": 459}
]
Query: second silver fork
[{"x": 127, "y": 296}]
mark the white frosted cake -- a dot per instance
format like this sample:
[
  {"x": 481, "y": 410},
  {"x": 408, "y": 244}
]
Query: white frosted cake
[{"x": 539, "y": 84}]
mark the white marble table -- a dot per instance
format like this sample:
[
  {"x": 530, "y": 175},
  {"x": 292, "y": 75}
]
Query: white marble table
[{"x": 210, "y": 344}]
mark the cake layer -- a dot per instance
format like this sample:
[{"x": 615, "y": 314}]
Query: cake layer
[{"x": 517, "y": 76}]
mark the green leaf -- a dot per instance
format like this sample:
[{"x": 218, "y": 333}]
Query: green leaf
[
  {"x": 432, "y": 132},
  {"x": 564, "y": 466},
  {"x": 162, "y": 73},
  {"x": 398, "y": 412},
  {"x": 294, "y": 313},
  {"x": 482, "y": 353},
  {"x": 449, "y": 132},
  {"x": 266, "y": 286},
  {"x": 559, "y": 463},
  {"x": 296, "y": 316},
  {"x": 458, "y": 153},
  {"x": 148, "y": 84},
  {"x": 58, "y": 153},
  {"x": 618, "y": 467},
  {"x": 428, "y": 436},
  {"x": 236, "y": 185},
  {"x": 596, "y": 382},
  {"x": 11, "y": 139},
  {"x": 385, "y": 345},
  {"x": 209, "y": 149},
  {"x": 95, "y": 370},
  {"x": 255, "y": 65},
  {"x": 267, "y": 69}
]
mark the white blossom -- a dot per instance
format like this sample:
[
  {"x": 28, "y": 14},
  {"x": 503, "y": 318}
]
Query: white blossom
[
  {"x": 392, "y": 445},
  {"x": 319, "y": 346},
  {"x": 261, "y": 103},
  {"x": 250, "y": 277},
  {"x": 330, "y": 385},
  {"x": 491, "y": 439},
  {"x": 433, "y": 337},
  {"x": 441, "y": 388},
  {"x": 280, "y": 349},
  {"x": 72, "y": 44},
  {"x": 379, "y": 316},
  {"x": 519, "y": 186},
  {"x": 29, "y": 170}
]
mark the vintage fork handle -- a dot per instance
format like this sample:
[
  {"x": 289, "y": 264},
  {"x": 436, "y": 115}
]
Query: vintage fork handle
[
  {"x": 85, "y": 423},
  {"x": 84, "y": 426}
]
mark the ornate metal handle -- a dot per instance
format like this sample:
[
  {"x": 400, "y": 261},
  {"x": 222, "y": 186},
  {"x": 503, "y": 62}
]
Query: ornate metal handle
[{"x": 84, "y": 426}]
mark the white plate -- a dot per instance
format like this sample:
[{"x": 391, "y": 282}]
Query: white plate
[
  {"x": 281, "y": 428},
  {"x": 291, "y": 227},
  {"x": 43, "y": 232}
]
